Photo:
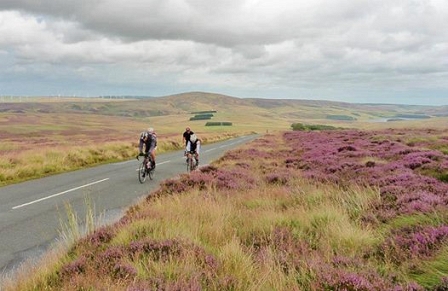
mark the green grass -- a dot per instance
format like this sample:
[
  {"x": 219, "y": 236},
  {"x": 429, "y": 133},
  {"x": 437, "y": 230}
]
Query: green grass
[{"x": 428, "y": 273}]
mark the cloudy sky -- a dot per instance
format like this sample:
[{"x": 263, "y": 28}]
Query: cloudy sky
[{"x": 381, "y": 51}]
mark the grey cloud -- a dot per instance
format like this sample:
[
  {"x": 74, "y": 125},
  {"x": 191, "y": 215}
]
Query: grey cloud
[{"x": 251, "y": 43}]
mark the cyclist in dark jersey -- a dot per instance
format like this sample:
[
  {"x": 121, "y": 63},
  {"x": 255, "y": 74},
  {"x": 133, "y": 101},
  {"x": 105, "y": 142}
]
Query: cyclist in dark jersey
[
  {"x": 194, "y": 146},
  {"x": 186, "y": 137},
  {"x": 149, "y": 139}
]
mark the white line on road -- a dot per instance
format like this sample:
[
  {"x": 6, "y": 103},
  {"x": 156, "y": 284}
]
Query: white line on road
[
  {"x": 58, "y": 194},
  {"x": 157, "y": 164},
  {"x": 209, "y": 150}
]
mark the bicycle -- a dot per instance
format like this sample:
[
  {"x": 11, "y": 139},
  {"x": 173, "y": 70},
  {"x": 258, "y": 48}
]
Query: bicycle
[
  {"x": 192, "y": 163},
  {"x": 145, "y": 169}
]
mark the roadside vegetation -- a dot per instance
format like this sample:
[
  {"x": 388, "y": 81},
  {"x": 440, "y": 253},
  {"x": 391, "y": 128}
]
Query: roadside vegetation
[
  {"x": 297, "y": 210},
  {"x": 37, "y": 162}
]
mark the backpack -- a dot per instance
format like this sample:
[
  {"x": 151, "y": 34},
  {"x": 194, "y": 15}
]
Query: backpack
[{"x": 142, "y": 135}]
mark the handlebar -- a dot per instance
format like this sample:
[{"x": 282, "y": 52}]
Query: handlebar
[{"x": 141, "y": 155}]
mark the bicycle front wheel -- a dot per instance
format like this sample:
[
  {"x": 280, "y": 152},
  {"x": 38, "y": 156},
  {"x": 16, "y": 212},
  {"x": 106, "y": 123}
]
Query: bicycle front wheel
[{"x": 142, "y": 175}]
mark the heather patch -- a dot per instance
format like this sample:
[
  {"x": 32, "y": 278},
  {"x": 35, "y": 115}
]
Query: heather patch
[
  {"x": 339, "y": 157},
  {"x": 100, "y": 237},
  {"x": 281, "y": 177},
  {"x": 416, "y": 243},
  {"x": 236, "y": 178},
  {"x": 335, "y": 278},
  {"x": 118, "y": 265},
  {"x": 169, "y": 187},
  {"x": 409, "y": 178}
]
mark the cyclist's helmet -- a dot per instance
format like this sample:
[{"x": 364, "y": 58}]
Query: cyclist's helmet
[
  {"x": 193, "y": 138},
  {"x": 151, "y": 130}
]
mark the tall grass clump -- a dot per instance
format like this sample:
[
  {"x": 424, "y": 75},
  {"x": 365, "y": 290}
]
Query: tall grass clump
[
  {"x": 45, "y": 269},
  {"x": 339, "y": 210}
]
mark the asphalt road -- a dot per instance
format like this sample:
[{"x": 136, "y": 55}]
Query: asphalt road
[{"x": 31, "y": 213}]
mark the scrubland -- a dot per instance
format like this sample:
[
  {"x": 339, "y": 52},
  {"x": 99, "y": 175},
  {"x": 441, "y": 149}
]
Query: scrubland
[
  {"x": 345, "y": 209},
  {"x": 46, "y": 136},
  {"x": 35, "y": 145}
]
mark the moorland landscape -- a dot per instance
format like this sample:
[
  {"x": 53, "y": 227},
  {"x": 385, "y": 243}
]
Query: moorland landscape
[
  {"x": 71, "y": 133},
  {"x": 354, "y": 198}
]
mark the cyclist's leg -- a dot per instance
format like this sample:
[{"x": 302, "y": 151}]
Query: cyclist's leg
[
  {"x": 196, "y": 155},
  {"x": 189, "y": 156},
  {"x": 153, "y": 158},
  {"x": 186, "y": 152},
  {"x": 147, "y": 157}
]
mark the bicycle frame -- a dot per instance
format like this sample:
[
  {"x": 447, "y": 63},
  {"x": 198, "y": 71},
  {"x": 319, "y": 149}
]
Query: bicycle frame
[
  {"x": 145, "y": 170},
  {"x": 191, "y": 162}
]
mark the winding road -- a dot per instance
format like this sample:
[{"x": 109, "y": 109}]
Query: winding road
[{"x": 31, "y": 213}]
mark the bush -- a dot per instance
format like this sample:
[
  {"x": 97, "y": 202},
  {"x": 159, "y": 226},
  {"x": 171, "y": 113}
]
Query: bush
[
  {"x": 218, "y": 123},
  {"x": 204, "y": 112},
  {"x": 200, "y": 117},
  {"x": 340, "y": 117},
  {"x": 303, "y": 127}
]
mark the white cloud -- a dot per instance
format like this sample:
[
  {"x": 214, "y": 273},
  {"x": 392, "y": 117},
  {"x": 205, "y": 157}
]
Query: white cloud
[{"x": 282, "y": 48}]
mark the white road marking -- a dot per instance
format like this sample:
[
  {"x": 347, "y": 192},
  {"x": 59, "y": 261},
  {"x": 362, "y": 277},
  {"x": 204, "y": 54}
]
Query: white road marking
[
  {"x": 122, "y": 163},
  {"x": 165, "y": 162},
  {"x": 58, "y": 194}
]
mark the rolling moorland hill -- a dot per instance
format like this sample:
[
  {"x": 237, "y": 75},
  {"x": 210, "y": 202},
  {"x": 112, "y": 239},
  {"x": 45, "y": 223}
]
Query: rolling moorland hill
[
  {"x": 185, "y": 103},
  {"x": 169, "y": 114},
  {"x": 91, "y": 126}
]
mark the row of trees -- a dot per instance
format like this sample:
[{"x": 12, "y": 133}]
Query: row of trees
[
  {"x": 205, "y": 115},
  {"x": 307, "y": 127}
]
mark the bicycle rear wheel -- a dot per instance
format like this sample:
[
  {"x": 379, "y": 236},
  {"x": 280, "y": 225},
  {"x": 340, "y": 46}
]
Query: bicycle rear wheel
[
  {"x": 150, "y": 173},
  {"x": 194, "y": 164},
  {"x": 142, "y": 175},
  {"x": 189, "y": 164}
]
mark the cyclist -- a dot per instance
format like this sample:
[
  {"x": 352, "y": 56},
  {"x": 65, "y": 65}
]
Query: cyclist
[
  {"x": 186, "y": 137},
  {"x": 149, "y": 139},
  {"x": 193, "y": 147}
]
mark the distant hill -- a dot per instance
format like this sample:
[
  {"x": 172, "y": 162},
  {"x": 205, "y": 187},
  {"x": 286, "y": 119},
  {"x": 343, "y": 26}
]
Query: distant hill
[{"x": 185, "y": 103}]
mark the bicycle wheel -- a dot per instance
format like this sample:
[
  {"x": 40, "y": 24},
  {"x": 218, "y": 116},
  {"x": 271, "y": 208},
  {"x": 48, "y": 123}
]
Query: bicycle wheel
[
  {"x": 189, "y": 164},
  {"x": 142, "y": 175},
  {"x": 150, "y": 173},
  {"x": 193, "y": 164}
]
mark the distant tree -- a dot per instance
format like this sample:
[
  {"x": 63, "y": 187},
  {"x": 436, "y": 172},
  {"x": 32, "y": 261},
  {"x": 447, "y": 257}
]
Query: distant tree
[
  {"x": 303, "y": 127},
  {"x": 340, "y": 117},
  {"x": 201, "y": 117},
  {"x": 218, "y": 123},
  {"x": 204, "y": 112},
  {"x": 298, "y": 126}
]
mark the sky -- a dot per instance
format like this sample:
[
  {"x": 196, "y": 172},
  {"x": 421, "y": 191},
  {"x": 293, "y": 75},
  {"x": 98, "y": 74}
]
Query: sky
[{"x": 357, "y": 51}]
